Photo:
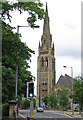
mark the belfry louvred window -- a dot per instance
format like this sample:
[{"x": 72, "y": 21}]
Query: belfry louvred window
[
  {"x": 46, "y": 61},
  {"x": 42, "y": 62}
]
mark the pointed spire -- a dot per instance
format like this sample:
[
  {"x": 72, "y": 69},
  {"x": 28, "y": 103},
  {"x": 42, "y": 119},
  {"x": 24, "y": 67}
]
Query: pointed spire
[
  {"x": 46, "y": 37},
  {"x": 46, "y": 8},
  {"x": 46, "y": 28},
  {"x": 46, "y": 15}
]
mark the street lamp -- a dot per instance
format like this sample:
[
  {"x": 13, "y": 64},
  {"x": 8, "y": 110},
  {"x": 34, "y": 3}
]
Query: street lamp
[
  {"x": 18, "y": 26},
  {"x": 72, "y": 86}
]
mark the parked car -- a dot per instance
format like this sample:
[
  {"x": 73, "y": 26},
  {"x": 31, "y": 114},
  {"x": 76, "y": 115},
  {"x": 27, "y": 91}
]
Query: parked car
[{"x": 40, "y": 109}]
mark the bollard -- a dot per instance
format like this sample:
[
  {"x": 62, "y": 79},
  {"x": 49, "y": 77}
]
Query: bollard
[
  {"x": 32, "y": 114},
  {"x": 29, "y": 114}
]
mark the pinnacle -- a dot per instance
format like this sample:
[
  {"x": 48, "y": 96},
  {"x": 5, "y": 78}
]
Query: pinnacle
[
  {"x": 46, "y": 7},
  {"x": 46, "y": 10}
]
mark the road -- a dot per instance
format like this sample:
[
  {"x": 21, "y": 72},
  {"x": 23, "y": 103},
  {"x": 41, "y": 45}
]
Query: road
[{"x": 44, "y": 115}]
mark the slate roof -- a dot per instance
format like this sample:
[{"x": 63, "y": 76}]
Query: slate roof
[{"x": 64, "y": 81}]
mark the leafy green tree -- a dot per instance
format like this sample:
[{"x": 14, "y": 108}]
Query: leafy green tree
[
  {"x": 15, "y": 52},
  {"x": 63, "y": 98},
  {"x": 46, "y": 100},
  {"x": 34, "y": 10},
  {"x": 78, "y": 91},
  {"x": 53, "y": 99},
  {"x": 10, "y": 59},
  {"x": 25, "y": 104},
  {"x": 5, "y": 109}
]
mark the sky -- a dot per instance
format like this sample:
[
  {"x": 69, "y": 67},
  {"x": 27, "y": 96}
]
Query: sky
[{"x": 65, "y": 27}]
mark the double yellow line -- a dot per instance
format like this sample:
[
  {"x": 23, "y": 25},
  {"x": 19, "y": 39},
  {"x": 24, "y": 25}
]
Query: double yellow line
[
  {"x": 30, "y": 114},
  {"x": 68, "y": 115},
  {"x": 22, "y": 115}
]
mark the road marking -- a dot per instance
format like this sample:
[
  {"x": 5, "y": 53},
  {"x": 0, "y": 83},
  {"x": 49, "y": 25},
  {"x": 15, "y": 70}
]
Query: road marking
[
  {"x": 68, "y": 115},
  {"x": 58, "y": 113},
  {"x": 64, "y": 114},
  {"x": 22, "y": 115},
  {"x": 42, "y": 115}
]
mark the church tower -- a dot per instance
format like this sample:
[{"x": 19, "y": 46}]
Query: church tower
[{"x": 46, "y": 75}]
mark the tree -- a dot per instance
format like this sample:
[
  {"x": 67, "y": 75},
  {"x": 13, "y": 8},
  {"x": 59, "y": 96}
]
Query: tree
[
  {"x": 25, "y": 104},
  {"x": 34, "y": 10},
  {"x": 46, "y": 100},
  {"x": 63, "y": 98},
  {"x": 11, "y": 44},
  {"x": 78, "y": 91},
  {"x": 15, "y": 52},
  {"x": 53, "y": 99}
]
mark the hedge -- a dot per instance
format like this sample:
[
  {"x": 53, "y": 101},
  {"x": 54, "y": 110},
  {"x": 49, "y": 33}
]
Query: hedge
[{"x": 5, "y": 109}]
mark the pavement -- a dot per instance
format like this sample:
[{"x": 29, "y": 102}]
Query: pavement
[
  {"x": 76, "y": 114},
  {"x": 69, "y": 113}
]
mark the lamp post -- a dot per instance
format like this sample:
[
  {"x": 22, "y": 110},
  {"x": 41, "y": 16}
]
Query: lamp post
[
  {"x": 18, "y": 26},
  {"x": 72, "y": 86},
  {"x": 17, "y": 67}
]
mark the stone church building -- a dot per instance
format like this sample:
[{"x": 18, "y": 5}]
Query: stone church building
[{"x": 46, "y": 74}]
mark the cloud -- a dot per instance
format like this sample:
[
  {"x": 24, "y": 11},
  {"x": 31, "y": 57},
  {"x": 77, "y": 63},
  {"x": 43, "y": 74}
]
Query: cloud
[{"x": 74, "y": 53}]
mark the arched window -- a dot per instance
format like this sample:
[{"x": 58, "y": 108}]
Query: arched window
[
  {"x": 46, "y": 61},
  {"x": 42, "y": 61}
]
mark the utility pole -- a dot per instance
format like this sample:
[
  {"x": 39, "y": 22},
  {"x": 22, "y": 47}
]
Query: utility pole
[{"x": 72, "y": 91}]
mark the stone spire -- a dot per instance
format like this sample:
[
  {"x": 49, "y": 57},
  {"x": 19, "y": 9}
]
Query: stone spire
[
  {"x": 46, "y": 28},
  {"x": 46, "y": 37}
]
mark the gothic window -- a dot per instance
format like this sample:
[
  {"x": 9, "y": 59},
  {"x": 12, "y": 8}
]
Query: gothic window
[
  {"x": 45, "y": 83},
  {"x": 46, "y": 62},
  {"x": 42, "y": 83},
  {"x": 42, "y": 62}
]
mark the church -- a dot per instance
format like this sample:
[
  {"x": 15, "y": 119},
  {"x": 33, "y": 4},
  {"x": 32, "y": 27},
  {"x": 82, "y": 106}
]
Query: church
[{"x": 46, "y": 74}]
